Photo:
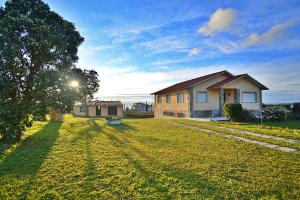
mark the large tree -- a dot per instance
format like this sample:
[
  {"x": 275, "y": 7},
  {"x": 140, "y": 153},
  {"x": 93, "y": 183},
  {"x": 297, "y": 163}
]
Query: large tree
[{"x": 35, "y": 45}]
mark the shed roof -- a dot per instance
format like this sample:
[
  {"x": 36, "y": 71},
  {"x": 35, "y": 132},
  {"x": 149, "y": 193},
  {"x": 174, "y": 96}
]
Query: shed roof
[{"x": 103, "y": 103}]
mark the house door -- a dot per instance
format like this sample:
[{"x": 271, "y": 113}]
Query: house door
[
  {"x": 98, "y": 110},
  {"x": 112, "y": 110}
]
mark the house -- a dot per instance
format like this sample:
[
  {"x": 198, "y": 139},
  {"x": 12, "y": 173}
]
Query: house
[
  {"x": 205, "y": 96},
  {"x": 142, "y": 107},
  {"x": 139, "y": 107},
  {"x": 99, "y": 108}
]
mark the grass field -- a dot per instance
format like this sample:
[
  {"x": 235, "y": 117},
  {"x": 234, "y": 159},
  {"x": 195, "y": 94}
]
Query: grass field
[
  {"x": 292, "y": 124},
  {"x": 289, "y": 129},
  {"x": 266, "y": 130},
  {"x": 142, "y": 158}
]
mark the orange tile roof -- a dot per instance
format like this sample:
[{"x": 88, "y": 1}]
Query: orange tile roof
[{"x": 189, "y": 83}]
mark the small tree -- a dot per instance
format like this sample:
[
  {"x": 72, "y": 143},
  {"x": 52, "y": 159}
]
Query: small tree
[
  {"x": 88, "y": 84},
  {"x": 233, "y": 111}
]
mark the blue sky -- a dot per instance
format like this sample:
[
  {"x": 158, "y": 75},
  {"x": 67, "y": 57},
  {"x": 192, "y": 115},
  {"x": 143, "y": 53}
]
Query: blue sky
[{"x": 138, "y": 47}]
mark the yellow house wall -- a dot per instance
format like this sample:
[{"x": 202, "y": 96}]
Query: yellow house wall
[
  {"x": 173, "y": 106},
  {"x": 212, "y": 95},
  {"x": 245, "y": 86},
  {"x": 229, "y": 95}
]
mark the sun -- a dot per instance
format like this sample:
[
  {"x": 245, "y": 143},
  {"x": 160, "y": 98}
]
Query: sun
[{"x": 74, "y": 84}]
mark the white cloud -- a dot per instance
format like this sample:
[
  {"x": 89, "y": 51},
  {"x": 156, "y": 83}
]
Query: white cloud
[
  {"x": 219, "y": 21},
  {"x": 170, "y": 61},
  {"x": 84, "y": 49},
  {"x": 190, "y": 53},
  {"x": 272, "y": 34},
  {"x": 225, "y": 47},
  {"x": 194, "y": 51},
  {"x": 165, "y": 44},
  {"x": 122, "y": 58}
]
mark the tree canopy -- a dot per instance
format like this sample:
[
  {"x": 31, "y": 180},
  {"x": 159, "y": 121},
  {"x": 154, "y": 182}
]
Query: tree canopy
[
  {"x": 88, "y": 83},
  {"x": 38, "y": 49}
]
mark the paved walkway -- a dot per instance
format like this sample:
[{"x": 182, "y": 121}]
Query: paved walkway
[
  {"x": 265, "y": 144},
  {"x": 255, "y": 134}
]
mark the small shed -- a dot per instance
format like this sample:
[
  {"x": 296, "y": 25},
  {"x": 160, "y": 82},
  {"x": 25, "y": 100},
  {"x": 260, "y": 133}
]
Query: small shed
[{"x": 99, "y": 109}]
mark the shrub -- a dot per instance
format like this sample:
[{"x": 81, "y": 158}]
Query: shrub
[
  {"x": 296, "y": 111},
  {"x": 275, "y": 112},
  {"x": 134, "y": 114},
  {"x": 233, "y": 111},
  {"x": 246, "y": 116}
]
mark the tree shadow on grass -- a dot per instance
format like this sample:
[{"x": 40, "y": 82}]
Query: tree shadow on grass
[
  {"x": 87, "y": 132},
  {"x": 87, "y": 135},
  {"x": 27, "y": 158},
  {"x": 90, "y": 166},
  {"x": 122, "y": 127},
  {"x": 156, "y": 178}
]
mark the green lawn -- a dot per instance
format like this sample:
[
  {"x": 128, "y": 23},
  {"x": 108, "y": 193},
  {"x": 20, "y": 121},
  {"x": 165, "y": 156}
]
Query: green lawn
[
  {"x": 221, "y": 127},
  {"x": 292, "y": 124},
  {"x": 275, "y": 128},
  {"x": 143, "y": 158}
]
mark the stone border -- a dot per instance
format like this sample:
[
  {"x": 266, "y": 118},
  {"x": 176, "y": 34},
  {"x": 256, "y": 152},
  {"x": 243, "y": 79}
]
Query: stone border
[
  {"x": 255, "y": 134},
  {"x": 265, "y": 144}
]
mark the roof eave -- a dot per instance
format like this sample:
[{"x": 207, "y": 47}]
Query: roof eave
[{"x": 221, "y": 72}]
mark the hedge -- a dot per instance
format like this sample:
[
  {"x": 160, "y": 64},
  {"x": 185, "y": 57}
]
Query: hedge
[{"x": 233, "y": 111}]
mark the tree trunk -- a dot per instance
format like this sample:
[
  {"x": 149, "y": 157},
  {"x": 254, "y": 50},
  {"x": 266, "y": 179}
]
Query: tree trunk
[{"x": 86, "y": 107}]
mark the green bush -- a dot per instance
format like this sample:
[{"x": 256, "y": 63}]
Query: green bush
[
  {"x": 296, "y": 111},
  {"x": 134, "y": 114},
  {"x": 233, "y": 111},
  {"x": 246, "y": 116}
]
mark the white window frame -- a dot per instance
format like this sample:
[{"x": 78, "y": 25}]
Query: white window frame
[
  {"x": 255, "y": 96},
  {"x": 168, "y": 97},
  {"x": 178, "y": 99},
  {"x": 206, "y": 97}
]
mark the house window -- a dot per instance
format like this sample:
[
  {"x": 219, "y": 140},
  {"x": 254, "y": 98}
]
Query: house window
[
  {"x": 249, "y": 97},
  {"x": 201, "y": 97},
  {"x": 168, "y": 98},
  {"x": 180, "y": 97},
  {"x": 82, "y": 108},
  {"x": 158, "y": 100}
]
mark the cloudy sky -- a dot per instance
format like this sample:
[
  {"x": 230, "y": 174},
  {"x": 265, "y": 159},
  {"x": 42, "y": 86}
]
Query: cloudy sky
[{"x": 138, "y": 47}]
